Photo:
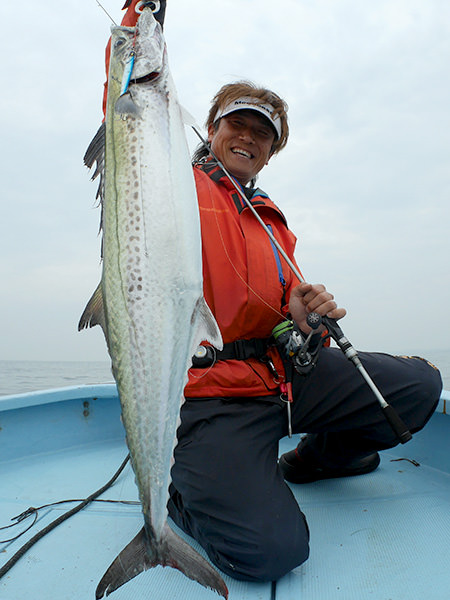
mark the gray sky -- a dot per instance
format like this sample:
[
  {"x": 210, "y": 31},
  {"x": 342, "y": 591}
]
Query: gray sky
[{"x": 364, "y": 180}]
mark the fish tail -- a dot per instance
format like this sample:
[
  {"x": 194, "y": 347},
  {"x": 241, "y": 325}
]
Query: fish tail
[{"x": 143, "y": 553}]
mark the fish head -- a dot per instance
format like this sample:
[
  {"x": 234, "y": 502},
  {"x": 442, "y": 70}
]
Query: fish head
[
  {"x": 138, "y": 58},
  {"x": 144, "y": 44},
  {"x": 150, "y": 58}
]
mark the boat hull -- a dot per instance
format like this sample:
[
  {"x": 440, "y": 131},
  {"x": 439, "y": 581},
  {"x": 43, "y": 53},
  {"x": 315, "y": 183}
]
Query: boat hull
[{"x": 382, "y": 535}]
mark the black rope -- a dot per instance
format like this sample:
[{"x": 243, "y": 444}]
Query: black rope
[
  {"x": 12, "y": 561},
  {"x": 32, "y": 510},
  {"x": 19, "y": 520}
]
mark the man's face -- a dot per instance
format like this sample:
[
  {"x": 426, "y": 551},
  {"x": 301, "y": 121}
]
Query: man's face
[{"x": 243, "y": 143}]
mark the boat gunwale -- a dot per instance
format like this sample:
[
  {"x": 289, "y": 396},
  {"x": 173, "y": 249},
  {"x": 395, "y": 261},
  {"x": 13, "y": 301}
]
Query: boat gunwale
[
  {"x": 107, "y": 391},
  {"x": 59, "y": 394}
]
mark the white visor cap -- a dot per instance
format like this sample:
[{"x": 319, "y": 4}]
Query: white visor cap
[{"x": 248, "y": 103}]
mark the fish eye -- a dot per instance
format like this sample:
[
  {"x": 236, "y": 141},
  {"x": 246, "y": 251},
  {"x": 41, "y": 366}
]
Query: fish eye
[{"x": 120, "y": 42}]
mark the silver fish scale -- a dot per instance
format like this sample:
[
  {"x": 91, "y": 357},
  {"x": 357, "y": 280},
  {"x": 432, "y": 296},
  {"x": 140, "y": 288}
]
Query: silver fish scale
[
  {"x": 152, "y": 268},
  {"x": 150, "y": 302}
]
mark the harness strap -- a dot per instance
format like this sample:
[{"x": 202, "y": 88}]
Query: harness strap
[
  {"x": 237, "y": 350},
  {"x": 243, "y": 349}
]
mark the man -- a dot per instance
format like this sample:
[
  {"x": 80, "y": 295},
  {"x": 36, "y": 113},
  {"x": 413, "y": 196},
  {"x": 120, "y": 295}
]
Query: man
[{"x": 228, "y": 489}]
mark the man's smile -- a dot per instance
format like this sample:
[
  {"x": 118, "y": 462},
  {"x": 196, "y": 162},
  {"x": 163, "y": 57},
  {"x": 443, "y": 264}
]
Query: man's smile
[{"x": 242, "y": 152}]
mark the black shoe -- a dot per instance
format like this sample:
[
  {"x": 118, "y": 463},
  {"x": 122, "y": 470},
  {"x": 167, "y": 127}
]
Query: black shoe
[{"x": 298, "y": 466}]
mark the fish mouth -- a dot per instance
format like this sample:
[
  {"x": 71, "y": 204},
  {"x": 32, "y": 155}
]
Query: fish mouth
[{"x": 146, "y": 78}]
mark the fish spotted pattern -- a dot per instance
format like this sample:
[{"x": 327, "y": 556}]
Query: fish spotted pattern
[{"x": 150, "y": 299}]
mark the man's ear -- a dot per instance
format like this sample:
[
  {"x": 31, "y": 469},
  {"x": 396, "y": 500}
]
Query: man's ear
[
  {"x": 272, "y": 152},
  {"x": 211, "y": 132}
]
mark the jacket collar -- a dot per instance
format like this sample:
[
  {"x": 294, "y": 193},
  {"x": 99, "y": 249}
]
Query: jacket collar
[{"x": 255, "y": 195}]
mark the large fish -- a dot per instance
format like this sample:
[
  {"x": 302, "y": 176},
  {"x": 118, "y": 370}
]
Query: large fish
[{"x": 150, "y": 299}]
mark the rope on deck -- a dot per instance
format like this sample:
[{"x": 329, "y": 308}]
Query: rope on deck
[{"x": 12, "y": 561}]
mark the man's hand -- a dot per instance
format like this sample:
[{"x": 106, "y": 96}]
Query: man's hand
[{"x": 307, "y": 298}]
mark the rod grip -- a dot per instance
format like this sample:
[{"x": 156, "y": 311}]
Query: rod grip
[{"x": 398, "y": 426}]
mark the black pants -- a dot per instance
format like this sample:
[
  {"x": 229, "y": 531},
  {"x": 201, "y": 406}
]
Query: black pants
[{"x": 227, "y": 490}]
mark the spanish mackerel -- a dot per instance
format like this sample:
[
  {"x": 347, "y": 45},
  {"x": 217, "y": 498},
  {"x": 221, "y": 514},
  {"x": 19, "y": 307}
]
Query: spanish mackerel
[{"x": 150, "y": 299}]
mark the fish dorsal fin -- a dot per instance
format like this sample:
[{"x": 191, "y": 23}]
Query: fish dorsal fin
[
  {"x": 96, "y": 154},
  {"x": 94, "y": 313}
]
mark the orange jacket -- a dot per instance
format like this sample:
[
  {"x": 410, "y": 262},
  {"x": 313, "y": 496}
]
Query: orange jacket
[
  {"x": 241, "y": 277},
  {"x": 241, "y": 282}
]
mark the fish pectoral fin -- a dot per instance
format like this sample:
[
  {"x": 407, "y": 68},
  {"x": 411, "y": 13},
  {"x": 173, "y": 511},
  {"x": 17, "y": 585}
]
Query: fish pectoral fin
[
  {"x": 206, "y": 324},
  {"x": 187, "y": 118},
  {"x": 142, "y": 553},
  {"x": 126, "y": 106},
  {"x": 93, "y": 313}
]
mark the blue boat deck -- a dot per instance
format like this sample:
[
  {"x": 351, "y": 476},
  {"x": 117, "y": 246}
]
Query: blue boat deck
[{"x": 382, "y": 536}]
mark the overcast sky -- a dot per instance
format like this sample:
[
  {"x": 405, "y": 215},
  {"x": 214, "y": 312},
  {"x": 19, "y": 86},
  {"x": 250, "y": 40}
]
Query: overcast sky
[{"x": 364, "y": 180}]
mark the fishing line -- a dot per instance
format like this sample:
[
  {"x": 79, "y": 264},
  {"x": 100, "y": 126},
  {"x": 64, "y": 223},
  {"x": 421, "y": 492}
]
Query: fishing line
[
  {"x": 394, "y": 420},
  {"x": 277, "y": 312},
  {"x": 252, "y": 208},
  {"x": 34, "y": 511},
  {"x": 18, "y": 520},
  {"x": 106, "y": 12}
]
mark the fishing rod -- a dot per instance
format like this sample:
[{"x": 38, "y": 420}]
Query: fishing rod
[{"x": 398, "y": 426}]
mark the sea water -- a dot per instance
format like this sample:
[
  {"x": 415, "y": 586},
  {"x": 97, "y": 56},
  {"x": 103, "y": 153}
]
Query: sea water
[{"x": 17, "y": 377}]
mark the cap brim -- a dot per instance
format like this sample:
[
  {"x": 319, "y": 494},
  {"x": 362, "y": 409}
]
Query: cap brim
[{"x": 264, "y": 109}]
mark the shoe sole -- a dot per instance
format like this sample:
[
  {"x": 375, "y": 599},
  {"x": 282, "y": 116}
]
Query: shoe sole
[{"x": 291, "y": 473}]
